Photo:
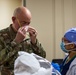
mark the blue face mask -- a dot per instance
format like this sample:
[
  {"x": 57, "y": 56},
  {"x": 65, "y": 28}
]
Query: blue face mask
[{"x": 62, "y": 45}]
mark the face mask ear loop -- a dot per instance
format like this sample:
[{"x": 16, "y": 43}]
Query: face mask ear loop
[
  {"x": 18, "y": 21},
  {"x": 70, "y": 49}
]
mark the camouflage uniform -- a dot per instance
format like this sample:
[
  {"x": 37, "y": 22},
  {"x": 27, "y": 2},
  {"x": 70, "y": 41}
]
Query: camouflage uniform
[{"x": 9, "y": 52}]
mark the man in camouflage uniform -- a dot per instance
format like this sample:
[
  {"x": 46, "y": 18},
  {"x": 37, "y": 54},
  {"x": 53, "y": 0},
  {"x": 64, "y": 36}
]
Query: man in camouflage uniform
[{"x": 13, "y": 39}]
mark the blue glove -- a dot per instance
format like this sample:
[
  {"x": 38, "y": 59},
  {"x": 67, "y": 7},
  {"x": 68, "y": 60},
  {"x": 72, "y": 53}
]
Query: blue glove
[{"x": 56, "y": 66}]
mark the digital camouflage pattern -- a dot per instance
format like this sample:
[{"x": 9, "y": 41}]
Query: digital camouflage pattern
[{"x": 9, "y": 53}]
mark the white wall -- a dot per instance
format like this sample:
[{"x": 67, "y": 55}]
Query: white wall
[
  {"x": 6, "y": 10},
  {"x": 52, "y": 18}
]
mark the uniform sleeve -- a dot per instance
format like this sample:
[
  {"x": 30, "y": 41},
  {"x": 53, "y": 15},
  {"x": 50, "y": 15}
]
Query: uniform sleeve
[
  {"x": 38, "y": 49},
  {"x": 72, "y": 70},
  {"x": 6, "y": 51}
]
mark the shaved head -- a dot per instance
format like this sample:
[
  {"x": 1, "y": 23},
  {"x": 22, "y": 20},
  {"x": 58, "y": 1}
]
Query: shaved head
[{"x": 21, "y": 10}]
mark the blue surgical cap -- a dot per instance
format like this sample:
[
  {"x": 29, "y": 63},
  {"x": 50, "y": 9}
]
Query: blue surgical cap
[{"x": 70, "y": 35}]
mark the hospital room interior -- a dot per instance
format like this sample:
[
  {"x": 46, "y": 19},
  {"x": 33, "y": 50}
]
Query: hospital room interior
[{"x": 51, "y": 18}]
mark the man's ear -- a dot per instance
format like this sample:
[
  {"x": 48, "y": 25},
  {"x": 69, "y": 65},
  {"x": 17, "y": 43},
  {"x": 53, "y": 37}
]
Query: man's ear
[{"x": 13, "y": 19}]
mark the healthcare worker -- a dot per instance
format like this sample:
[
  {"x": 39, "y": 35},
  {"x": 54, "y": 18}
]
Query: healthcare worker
[{"x": 68, "y": 45}]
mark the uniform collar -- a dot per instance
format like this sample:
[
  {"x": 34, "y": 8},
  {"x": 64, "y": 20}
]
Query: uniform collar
[{"x": 12, "y": 32}]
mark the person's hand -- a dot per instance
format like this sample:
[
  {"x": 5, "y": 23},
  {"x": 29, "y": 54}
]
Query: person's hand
[
  {"x": 32, "y": 34},
  {"x": 21, "y": 34}
]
